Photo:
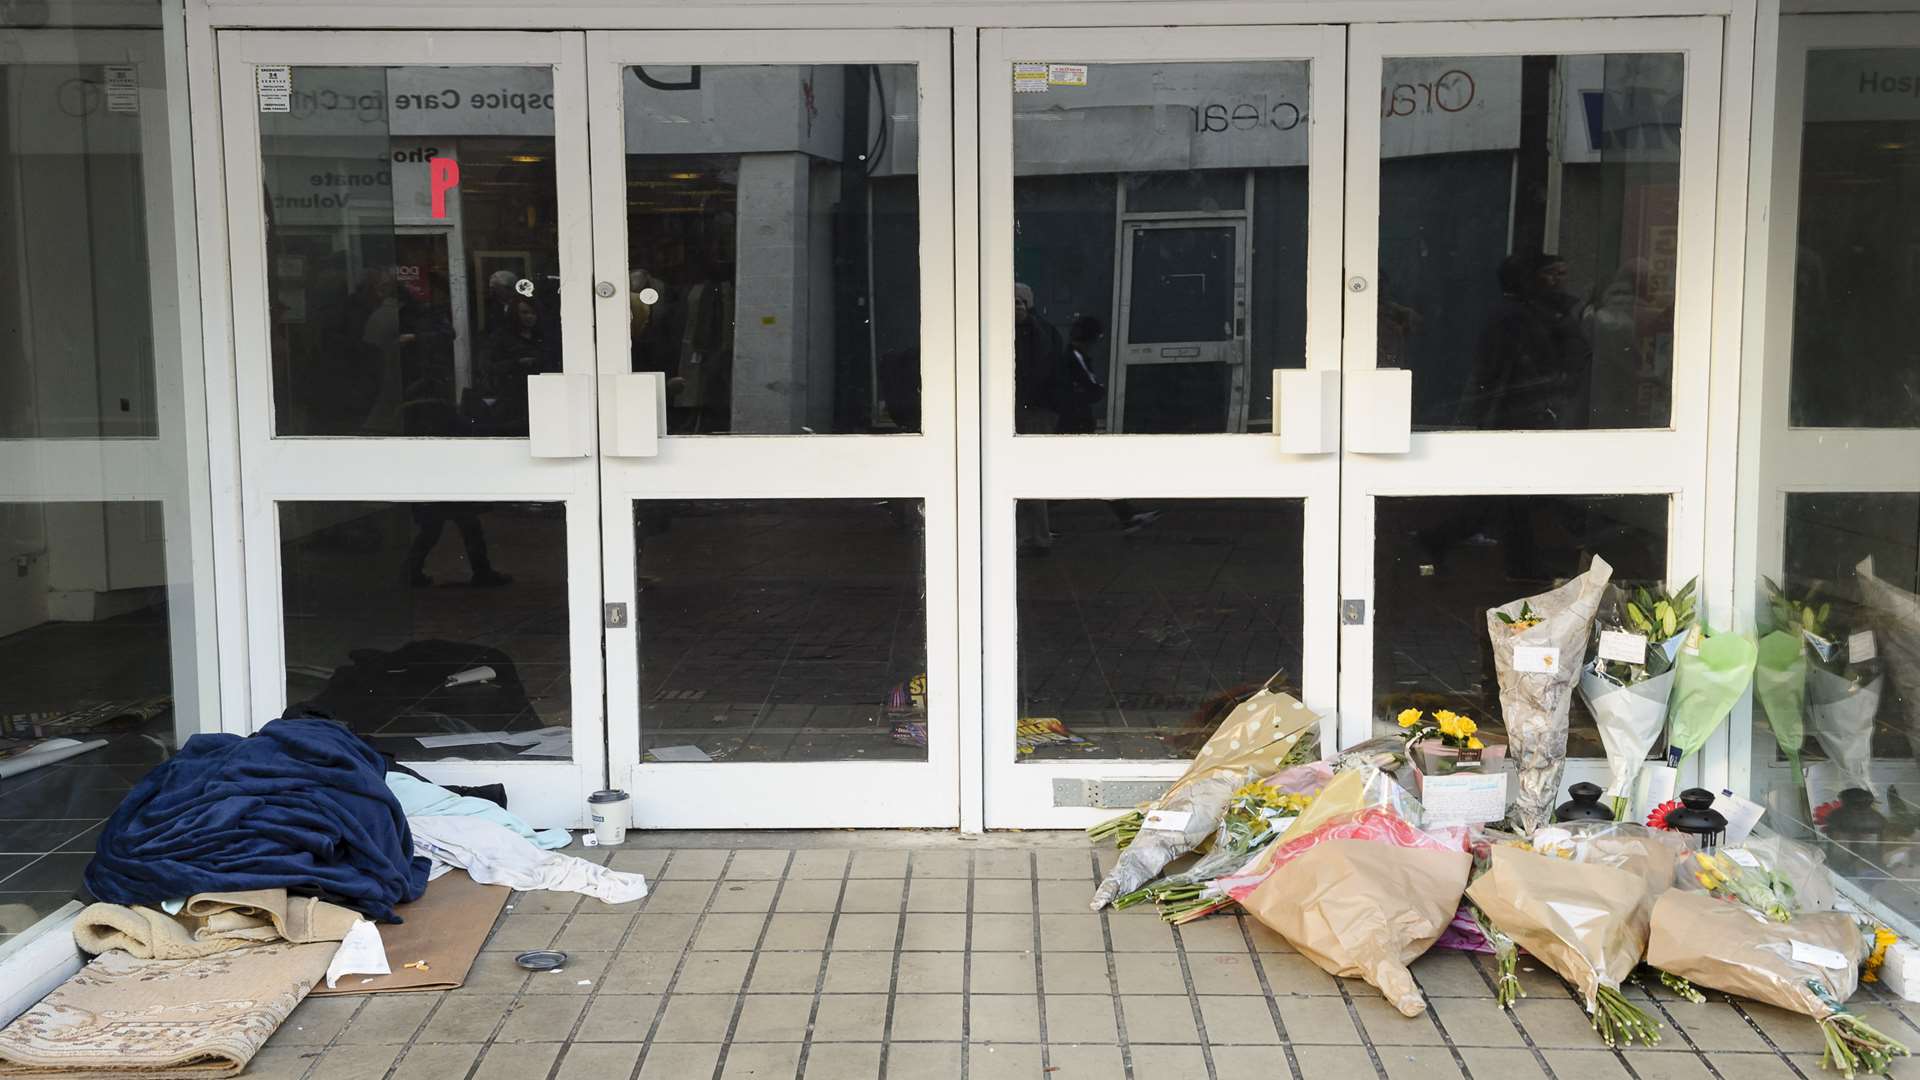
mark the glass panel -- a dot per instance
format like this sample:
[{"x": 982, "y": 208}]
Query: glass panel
[
  {"x": 413, "y": 249},
  {"x": 1139, "y": 621},
  {"x": 1857, "y": 268},
  {"x": 773, "y": 241},
  {"x": 1528, "y": 223},
  {"x": 98, "y": 632},
  {"x": 1439, "y": 564},
  {"x": 1854, "y": 559},
  {"x": 1168, "y": 202},
  {"x": 433, "y": 618},
  {"x": 782, "y": 630}
]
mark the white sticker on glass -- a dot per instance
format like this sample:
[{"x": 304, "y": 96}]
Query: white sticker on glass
[
  {"x": 1066, "y": 74},
  {"x": 1029, "y": 78}
]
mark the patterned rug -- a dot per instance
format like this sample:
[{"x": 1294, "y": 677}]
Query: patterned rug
[{"x": 123, "y": 1016}]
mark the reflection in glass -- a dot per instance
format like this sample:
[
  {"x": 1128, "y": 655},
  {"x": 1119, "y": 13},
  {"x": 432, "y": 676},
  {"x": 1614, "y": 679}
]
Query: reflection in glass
[
  {"x": 1441, "y": 562},
  {"x": 1160, "y": 247},
  {"x": 1528, "y": 220},
  {"x": 1137, "y": 621},
  {"x": 434, "y": 618},
  {"x": 1850, "y": 575},
  {"x": 412, "y": 249},
  {"x": 782, "y": 630},
  {"x": 773, "y": 245},
  {"x": 1856, "y": 273}
]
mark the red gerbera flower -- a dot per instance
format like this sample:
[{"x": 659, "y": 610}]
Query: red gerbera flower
[{"x": 1658, "y": 818}]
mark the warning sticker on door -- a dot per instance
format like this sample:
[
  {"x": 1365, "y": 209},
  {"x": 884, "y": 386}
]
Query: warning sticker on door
[
  {"x": 274, "y": 85},
  {"x": 1066, "y": 74},
  {"x": 123, "y": 89},
  {"x": 1029, "y": 78}
]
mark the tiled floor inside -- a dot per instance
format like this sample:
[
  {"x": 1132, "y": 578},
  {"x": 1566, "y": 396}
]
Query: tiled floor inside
[{"x": 845, "y": 955}]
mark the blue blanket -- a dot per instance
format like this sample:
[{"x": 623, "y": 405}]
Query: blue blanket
[{"x": 302, "y": 804}]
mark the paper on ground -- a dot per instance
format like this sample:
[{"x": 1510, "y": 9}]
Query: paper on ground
[
  {"x": 678, "y": 753},
  {"x": 485, "y": 738},
  {"x": 361, "y": 953}
]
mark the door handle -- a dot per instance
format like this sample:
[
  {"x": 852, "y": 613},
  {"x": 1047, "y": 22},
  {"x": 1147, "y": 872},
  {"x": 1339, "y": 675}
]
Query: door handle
[
  {"x": 1306, "y": 410},
  {"x": 560, "y": 415},
  {"x": 1380, "y": 411},
  {"x": 635, "y": 413}
]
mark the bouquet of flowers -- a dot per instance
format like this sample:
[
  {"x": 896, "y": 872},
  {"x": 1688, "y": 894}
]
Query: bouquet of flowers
[
  {"x": 1780, "y": 682},
  {"x": 1628, "y": 682},
  {"x": 1260, "y": 736},
  {"x": 1896, "y": 615},
  {"x": 1365, "y": 896},
  {"x": 1808, "y": 964},
  {"x": 1712, "y": 672},
  {"x": 1447, "y": 743},
  {"x": 1844, "y": 678},
  {"x": 1579, "y": 902},
  {"x": 1536, "y": 641}
]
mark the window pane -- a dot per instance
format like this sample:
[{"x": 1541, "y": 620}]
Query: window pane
[
  {"x": 1137, "y": 620},
  {"x": 1857, "y": 267},
  {"x": 773, "y": 245},
  {"x": 1440, "y": 562},
  {"x": 1160, "y": 247},
  {"x": 1528, "y": 221},
  {"x": 782, "y": 630},
  {"x": 412, "y": 248},
  {"x": 432, "y": 618}
]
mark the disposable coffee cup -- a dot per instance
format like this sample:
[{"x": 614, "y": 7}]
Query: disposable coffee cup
[{"x": 610, "y": 811}]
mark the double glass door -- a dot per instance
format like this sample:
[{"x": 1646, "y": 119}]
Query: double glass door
[
  {"x": 597, "y": 419},
  {"x": 604, "y": 416},
  {"x": 1428, "y": 332}
]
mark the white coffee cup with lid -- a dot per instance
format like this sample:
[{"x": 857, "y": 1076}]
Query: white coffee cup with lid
[{"x": 610, "y": 812}]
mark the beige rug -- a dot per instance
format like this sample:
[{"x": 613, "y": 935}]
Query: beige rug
[{"x": 125, "y": 1016}]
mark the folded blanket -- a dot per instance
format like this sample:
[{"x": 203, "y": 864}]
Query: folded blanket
[
  {"x": 211, "y": 923},
  {"x": 422, "y": 799},
  {"x": 300, "y": 805}
]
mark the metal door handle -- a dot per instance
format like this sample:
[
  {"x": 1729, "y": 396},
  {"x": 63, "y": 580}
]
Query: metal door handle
[
  {"x": 1306, "y": 410},
  {"x": 560, "y": 415},
  {"x": 634, "y": 413}
]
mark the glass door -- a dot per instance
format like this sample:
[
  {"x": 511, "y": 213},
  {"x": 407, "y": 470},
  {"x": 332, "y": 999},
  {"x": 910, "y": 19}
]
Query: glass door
[
  {"x": 774, "y": 271},
  {"x": 1529, "y": 243},
  {"x": 1160, "y": 276},
  {"x": 408, "y": 221}
]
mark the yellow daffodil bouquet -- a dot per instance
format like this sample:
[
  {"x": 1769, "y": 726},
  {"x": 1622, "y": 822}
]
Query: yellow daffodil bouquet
[{"x": 1447, "y": 742}]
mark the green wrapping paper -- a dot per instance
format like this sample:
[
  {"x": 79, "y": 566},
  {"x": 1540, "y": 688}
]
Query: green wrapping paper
[
  {"x": 1780, "y": 682},
  {"x": 1710, "y": 680}
]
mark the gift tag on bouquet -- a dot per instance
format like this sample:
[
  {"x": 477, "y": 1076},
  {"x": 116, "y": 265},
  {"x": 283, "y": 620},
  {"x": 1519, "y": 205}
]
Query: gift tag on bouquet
[
  {"x": 1622, "y": 646},
  {"x": 1538, "y": 659},
  {"x": 1861, "y": 647},
  {"x": 1170, "y": 820},
  {"x": 1819, "y": 956}
]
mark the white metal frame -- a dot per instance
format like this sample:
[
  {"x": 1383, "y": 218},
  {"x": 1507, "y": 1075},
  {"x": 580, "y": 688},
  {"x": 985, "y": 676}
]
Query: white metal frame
[
  {"x": 407, "y": 470},
  {"x": 1783, "y": 459},
  {"x": 800, "y": 794},
  {"x": 170, "y": 467},
  {"x": 1671, "y": 462},
  {"x": 1019, "y": 794}
]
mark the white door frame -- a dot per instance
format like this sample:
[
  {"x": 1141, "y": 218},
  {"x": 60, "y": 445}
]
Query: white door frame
[
  {"x": 801, "y": 794},
  {"x": 1785, "y": 459},
  {"x": 1020, "y": 794},
  {"x": 547, "y": 793},
  {"x": 1529, "y": 462},
  {"x": 170, "y": 466}
]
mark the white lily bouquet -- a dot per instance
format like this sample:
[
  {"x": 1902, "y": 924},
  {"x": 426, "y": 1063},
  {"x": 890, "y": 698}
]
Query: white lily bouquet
[
  {"x": 1844, "y": 676},
  {"x": 1537, "y": 645},
  {"x": 1626, "y": 685}
]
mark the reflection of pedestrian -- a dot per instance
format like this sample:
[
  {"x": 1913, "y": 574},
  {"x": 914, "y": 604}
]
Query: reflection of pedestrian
[
  {"x": 1038, "y": 359},
  {"x": 512, "y": 353},
  {"x": 1533, "y": 363},
  {"x": 430, "y": 522},
  {"x": 1079, "y": 389}
]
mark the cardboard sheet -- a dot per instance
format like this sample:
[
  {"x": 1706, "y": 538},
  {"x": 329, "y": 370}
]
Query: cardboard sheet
[{"x": 445, "y": 928}]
